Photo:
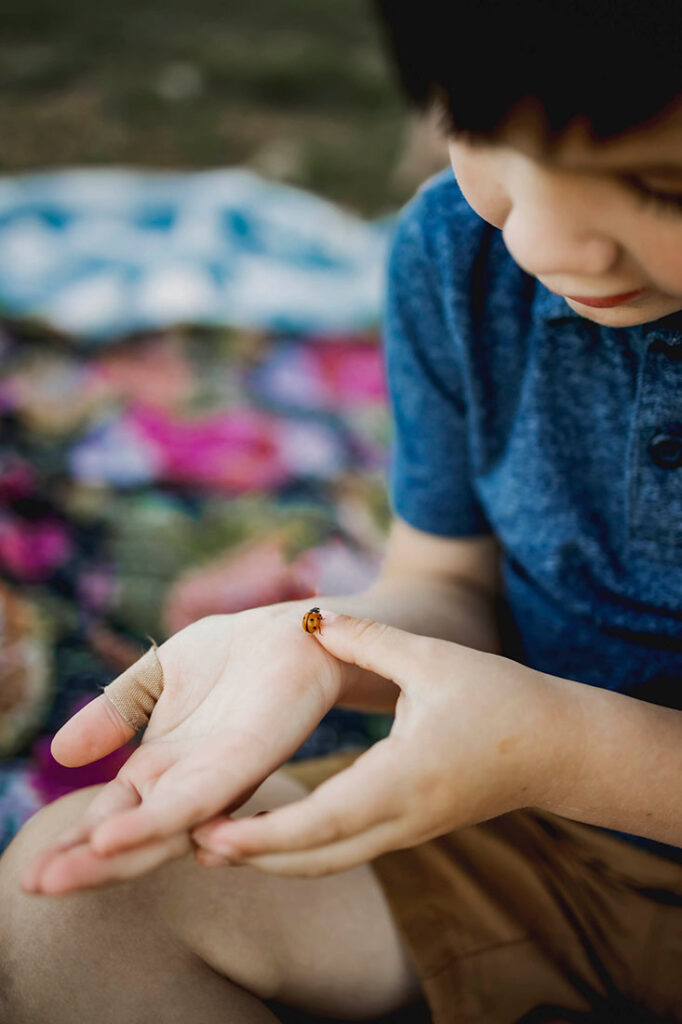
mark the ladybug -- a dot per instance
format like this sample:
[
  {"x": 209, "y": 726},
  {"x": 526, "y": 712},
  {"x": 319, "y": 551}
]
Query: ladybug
[{"x": 312, "y": 621}]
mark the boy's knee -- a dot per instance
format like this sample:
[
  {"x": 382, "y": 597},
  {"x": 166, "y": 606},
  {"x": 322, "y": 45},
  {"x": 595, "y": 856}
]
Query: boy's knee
[
  {"x": 45, "y": 826},
  {"x": 37, "y": 833},
  {"x": 35, "y": 929}
]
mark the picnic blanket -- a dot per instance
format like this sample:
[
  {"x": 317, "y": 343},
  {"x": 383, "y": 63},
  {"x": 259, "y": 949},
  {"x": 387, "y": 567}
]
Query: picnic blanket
[{"x": 193, "y": 420}]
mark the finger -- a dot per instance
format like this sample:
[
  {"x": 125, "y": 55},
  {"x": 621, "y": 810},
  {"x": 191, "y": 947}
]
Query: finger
[
  {"x": 113, "y": 718},
  {"x": 136, "y": 691},
  {"x": 115, "y": 797},
  {"x": 81, "y": 868},
  {"x": 91, "y": 733},
  {"x": 29, "y": 880},
  {"x": 227, "y": 812},
  {"x": 349, "y": 803},
  {"x": 326, "y": 860},
  {"x": 209, "y": 860},
  {"x": 187, "y": 793},
  {"x": 383, "y": 649}
]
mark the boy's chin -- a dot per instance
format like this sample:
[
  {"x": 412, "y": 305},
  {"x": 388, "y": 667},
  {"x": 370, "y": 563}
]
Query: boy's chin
[{"x": 647, "y": 310}]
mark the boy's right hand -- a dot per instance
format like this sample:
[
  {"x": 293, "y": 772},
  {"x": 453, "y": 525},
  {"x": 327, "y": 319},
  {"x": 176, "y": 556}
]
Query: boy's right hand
[{"x": 241, "y": 694}]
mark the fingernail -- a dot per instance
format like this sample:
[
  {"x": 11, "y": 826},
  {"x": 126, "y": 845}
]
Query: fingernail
[{"x": 328, "y": 616}]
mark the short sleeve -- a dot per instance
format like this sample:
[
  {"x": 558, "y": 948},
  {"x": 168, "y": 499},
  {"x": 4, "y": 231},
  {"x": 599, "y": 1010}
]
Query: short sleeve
[{"x": 430, "y": 483}]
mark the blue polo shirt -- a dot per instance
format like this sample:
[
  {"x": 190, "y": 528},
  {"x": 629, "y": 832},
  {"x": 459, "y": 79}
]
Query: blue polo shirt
[{"x": 514, "y": 415}]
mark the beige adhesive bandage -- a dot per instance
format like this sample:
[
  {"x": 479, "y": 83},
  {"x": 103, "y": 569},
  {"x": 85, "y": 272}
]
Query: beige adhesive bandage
[{"x": 136, "y": 691}]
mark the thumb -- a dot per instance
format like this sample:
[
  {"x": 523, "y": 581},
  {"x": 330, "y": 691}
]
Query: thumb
[
  {"x": 113, "y": 718},
  {"x": 375, "y": 646}
]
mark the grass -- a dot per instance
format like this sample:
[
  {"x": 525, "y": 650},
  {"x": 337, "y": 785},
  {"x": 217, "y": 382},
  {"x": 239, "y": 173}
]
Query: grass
[{"x": 298, "y": 89}]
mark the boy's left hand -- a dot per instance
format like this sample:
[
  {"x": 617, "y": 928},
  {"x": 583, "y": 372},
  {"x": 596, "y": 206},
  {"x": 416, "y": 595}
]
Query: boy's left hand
[{"x": 475, "y": 735}]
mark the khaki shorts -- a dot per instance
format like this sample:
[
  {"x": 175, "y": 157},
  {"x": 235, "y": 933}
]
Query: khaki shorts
[{"x": 531, "y": 910}]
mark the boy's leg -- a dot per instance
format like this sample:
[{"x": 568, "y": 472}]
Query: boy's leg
[{"x": 187, "y": 942}]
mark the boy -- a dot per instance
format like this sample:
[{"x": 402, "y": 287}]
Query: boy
[{"x": 533, "y": 346}]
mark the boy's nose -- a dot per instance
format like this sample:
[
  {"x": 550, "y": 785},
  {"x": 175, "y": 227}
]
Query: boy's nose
[{"x": 558, "y": 246}]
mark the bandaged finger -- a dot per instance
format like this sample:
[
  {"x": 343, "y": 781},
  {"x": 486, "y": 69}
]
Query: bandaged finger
[{"x": 136, "y": 691}]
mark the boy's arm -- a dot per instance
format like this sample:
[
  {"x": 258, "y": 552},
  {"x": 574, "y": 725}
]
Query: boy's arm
[
  {"x": 482, "y": 735},
  {"x": 444, "y": 587},
  {"x": 620, "y": 766}
]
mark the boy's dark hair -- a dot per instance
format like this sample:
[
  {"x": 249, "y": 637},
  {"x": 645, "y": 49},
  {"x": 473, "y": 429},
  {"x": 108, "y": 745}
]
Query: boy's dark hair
[{"x": 616, "y": 62}]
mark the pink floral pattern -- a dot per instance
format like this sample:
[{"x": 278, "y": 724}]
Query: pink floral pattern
[{"x": 164, "y": 478}]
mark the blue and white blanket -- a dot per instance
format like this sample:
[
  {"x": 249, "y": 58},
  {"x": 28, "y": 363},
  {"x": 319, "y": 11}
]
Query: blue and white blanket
[{"x": 99, "y": 253}]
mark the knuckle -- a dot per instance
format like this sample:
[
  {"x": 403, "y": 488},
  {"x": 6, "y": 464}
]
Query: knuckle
[
  {"x": 371, "y": 629},
  {"x": 371, "y": 635},
  {"x": 121, "y": 726}
]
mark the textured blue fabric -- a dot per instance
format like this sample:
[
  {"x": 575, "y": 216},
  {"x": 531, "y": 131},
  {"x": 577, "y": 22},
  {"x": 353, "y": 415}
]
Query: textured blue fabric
[{"x": 514, "y": 415}]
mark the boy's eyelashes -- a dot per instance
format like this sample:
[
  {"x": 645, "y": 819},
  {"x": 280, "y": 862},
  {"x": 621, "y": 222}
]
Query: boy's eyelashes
[{"x": 667, "y": 202}]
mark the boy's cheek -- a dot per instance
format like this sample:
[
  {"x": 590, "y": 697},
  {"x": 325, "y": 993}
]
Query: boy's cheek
[
  {"x": 651, "y": 253},
  {"x": 480, "y": 186},
  {"x": 664, "y": 267}
]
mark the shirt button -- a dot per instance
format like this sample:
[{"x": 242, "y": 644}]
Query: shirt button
[
  {"x": 666, "y": 448},
  {"x": 672, "y": 349}
]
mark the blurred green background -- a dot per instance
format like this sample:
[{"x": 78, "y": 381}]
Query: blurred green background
[{"x": 300, "y": 90}]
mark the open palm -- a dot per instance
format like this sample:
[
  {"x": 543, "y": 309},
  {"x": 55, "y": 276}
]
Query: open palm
[{"x": 241, "y": 694}]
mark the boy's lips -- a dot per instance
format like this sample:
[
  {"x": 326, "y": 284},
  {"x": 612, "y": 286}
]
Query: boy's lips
[{"x": 608, "y": 300}]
